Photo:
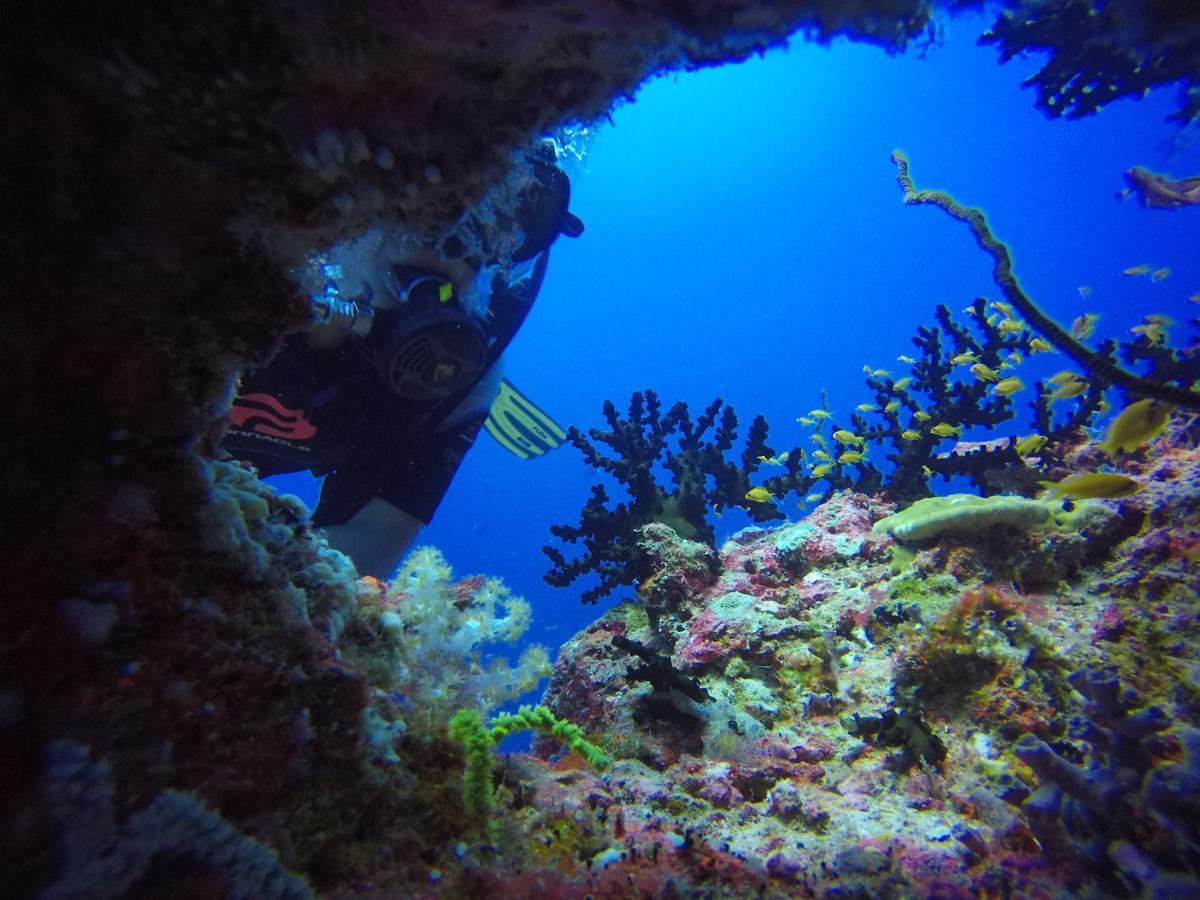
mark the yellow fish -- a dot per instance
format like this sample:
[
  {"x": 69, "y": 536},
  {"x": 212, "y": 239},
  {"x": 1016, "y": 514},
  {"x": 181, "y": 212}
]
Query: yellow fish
[
  {"x": 1084, "y": 325},
  {"x": 983, "y": 373},
  {"x": 818, "y": 439},
  {"x": 1092, "y": 486},
  {"x": 1159, "y": 275},
  {"x": 1142, "y": 269},
  {"x": 1069, "y": 389},
  {"x": 805, "y": 420},
  {"x": 910, "y": 435},
  {"x": 818, "y": 413},
  {"x": 759, "y": 495},
  {"x": 1030, "y": 444},
  {"x": 865, "y": 407},
  {"x": 1038, "y": 345},
  {"x": 1063, "y": 377},
  {"x": 1158, "y": 319},
  {"x": 944, "y": 430},
  {"x": 1008, "y": 386},
  {"x": 1154, "y": 333},
  {"x": 850, "y": 456},
  {"x": 1010, "y": 326},
  {"x": 847, "y": 437},
  {"x": 813, "y": 498},
  {"x": 910, "y": 361},
  {"x": 1015, "y": 358},
  {"x": 963, "y": 358},
  {"x": 774, "y": 460},
  {"x": 928, "y": 471},
  {"x": 822, "y": 470},
  {"x": 903, "y": 382},
  {"x": 921, "y": 416},
  {"x": 1139, "y": 422},
  {"x": 892, "y": 406},
  {"x": 821, "y": 454},
  {"x": 881, "y": 373},
  {"x": 1003, "y": 308}
]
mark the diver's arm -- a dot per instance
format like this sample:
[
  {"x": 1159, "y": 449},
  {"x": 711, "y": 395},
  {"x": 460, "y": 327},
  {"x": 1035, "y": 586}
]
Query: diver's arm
[{"x": 375, "y": 537}]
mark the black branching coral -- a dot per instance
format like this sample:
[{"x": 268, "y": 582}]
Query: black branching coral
[
  {"x": 696, "y": 454},
  {"x": 1101, "y": 52}
]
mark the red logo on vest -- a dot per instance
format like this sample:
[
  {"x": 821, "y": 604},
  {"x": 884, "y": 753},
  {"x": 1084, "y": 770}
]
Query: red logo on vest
[{"x": 263, "y": 414}]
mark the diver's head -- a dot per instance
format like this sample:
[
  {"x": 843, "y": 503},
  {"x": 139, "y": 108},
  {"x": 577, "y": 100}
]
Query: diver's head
[{"x": 418, "y": 307}]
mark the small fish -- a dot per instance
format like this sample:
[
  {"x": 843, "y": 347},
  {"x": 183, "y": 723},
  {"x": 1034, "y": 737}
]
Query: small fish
[
  {"x": 759, "y": 495},
  {"x": 818, "y": 413},
  {"x": 821, "y": 454},
  {"x": 1138, "y": 423},
  {"x": 928, "y": 471},
  {"x": 813, "y": 498},
  {"x": 881, "y": 373},
  {"x": 1142, "y": 269},
  {"x": 818, "y": 439},
  {"x": 944, "y": 430},
  {"x": 1084, "y": 291},
  {"x": 963, "y": 359},
  {"x": 805, "y": 420},
  {"x": 910, "y": 435},
  {"x": 1158, "y": 319},
  {"x": 1038, "y": 345},
  {"x": 1030, "y": 444},
  {"x": 1004, "y": 309},
  {"x": 1063, "y": 377},
  {"x": 1160, "y": 275},
  {"x": 822, "y": 470},
  {"x": 1194, "y": 298},
  {"x": 984, "y": 373},
  {"x": 892, "y": 406},
  {"x": 908, "y": 360},
  {"x": 1068, "y": 390},
  {"x": 850, "y": 456},
  {"x": 1092, "y": 486},
  {"x": 1155, "y": 334},
  {"x": 903, "y": 383},
  {"x": 1010, "y": 326},
  {"x": 865, "y": 407},
  {"x": 921, "y": 416},
  {"x": 1008, "y": 386},
  {"x": 847, "y": 437},
  {"x": 1084, "y": 325},
  {"x": 774, "y": 460}
]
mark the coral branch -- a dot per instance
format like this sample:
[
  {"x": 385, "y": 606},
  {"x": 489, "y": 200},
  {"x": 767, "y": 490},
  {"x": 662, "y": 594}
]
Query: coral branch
[{"x": 1100, "y": 366}]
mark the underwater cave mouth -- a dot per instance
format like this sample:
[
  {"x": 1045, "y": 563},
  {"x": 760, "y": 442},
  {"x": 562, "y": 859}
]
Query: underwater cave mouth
[{"x": 190, "y": 675}]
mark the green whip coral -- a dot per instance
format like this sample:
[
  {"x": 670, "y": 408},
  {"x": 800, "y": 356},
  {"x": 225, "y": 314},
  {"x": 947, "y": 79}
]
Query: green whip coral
[{"x": 468, "y": 729}]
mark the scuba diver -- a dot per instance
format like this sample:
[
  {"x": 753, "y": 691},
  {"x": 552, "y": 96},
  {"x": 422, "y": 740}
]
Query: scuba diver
[{"x": 386, "y": 391}]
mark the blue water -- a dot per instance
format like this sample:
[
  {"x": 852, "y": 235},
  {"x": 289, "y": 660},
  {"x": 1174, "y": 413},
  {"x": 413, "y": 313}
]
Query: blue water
[{"x": 746, "y": 239}]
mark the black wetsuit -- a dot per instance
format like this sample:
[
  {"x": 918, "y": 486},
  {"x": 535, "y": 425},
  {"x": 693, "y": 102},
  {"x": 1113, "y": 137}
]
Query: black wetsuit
[{"x": 329, "y": 411}]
